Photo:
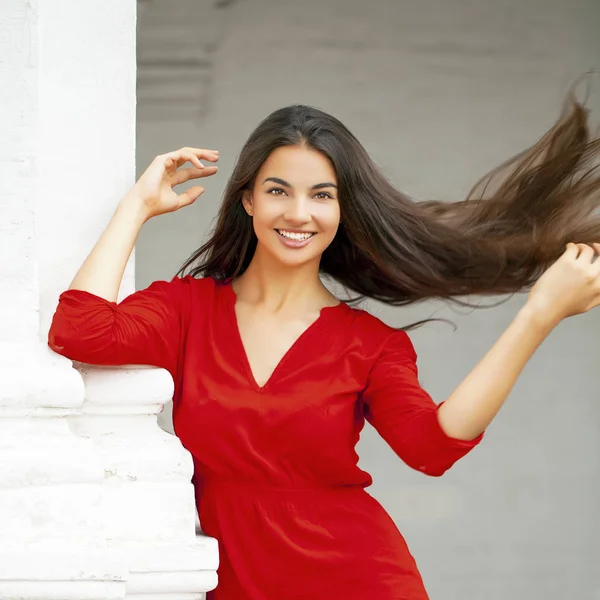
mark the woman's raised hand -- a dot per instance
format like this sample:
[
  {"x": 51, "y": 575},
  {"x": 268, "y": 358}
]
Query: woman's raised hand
[
  {"x": 570, "y": 286},
  {"x": 154, "y": 188}
]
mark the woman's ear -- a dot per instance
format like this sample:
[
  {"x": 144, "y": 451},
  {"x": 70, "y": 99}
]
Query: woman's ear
[{"x": 247, "y": 201}]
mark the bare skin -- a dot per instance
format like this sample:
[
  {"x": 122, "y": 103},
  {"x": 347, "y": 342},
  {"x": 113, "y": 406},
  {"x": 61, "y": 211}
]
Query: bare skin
[
  {"x": 102, "y": 271},
  {"x": 280, "y": 295},
  {"x": 569, "y": 287}
]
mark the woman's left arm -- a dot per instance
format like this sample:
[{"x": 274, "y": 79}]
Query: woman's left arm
[{"x": 570, "y": 286}]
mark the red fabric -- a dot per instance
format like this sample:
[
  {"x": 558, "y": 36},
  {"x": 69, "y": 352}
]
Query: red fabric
[{"x": 275, "y": 467}]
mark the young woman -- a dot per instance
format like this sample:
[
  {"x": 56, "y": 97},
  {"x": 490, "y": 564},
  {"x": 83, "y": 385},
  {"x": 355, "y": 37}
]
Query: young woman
[{"x": 274, "y": 376}]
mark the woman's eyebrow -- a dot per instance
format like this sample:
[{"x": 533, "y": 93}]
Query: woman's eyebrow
[{"x": 318, "y": 186}]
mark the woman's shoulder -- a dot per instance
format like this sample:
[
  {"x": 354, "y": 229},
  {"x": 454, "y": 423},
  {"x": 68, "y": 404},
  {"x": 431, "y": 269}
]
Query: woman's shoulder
[
  {"x": 191, "y": 282},
  {"x": 184, "y": 290},
  {"x": 371, "y": 327},
  {"x": 368, "y": 336}
]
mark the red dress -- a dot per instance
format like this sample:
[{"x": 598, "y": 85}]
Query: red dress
[{"x": 276, "y": 475}]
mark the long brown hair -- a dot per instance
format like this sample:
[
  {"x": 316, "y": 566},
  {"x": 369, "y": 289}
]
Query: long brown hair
[{"x": 514, "y": 223}]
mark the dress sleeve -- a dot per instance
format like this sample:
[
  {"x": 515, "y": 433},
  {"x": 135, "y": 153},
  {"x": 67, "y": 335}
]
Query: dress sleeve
[
  {"x": 145, "y": 328},
  {"x": 405, "y": 415}
]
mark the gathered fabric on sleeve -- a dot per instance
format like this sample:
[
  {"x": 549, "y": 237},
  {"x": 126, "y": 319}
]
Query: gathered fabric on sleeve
[
  {"x": 145, "y": 328},
  {"x": 405, "y": 415}
]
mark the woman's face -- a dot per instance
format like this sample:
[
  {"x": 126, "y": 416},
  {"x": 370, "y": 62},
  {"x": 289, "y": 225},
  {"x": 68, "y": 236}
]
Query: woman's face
[{"x": 294, "y": 205}]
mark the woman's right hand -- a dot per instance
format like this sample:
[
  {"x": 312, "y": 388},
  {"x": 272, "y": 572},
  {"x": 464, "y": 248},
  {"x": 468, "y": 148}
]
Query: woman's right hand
[{"x": 154, "y": 188}]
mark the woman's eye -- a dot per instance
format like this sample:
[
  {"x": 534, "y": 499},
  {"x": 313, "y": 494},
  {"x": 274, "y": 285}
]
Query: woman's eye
[{"x": 323, "y": 195}]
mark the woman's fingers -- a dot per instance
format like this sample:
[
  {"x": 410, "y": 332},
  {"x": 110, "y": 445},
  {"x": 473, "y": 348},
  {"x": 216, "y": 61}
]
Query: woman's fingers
[
  {"x": 589, "y": 262},
  {"x": 586, "y": 253},
  {"x": 193, "y": 155},
  {"x": 596, "y": 263},
  {"x": 183, "y": 175},
  {"x": 582, "y": 252},
  {"x": 190, "y": 195},
  {"x": 572, "y": 251}
]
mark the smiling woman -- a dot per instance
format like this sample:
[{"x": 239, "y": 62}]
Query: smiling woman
[
  {"x": 300, "y": 215},
  {"x": 513, "y": 225},
  {"x": 275, "y": 377}
]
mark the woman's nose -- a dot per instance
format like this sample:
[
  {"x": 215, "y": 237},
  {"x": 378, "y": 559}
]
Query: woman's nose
[{"x": 298, "y": 211}]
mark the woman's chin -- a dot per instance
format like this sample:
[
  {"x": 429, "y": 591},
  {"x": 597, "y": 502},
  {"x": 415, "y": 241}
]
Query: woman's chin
[
  {"x": 295, "y": 257},
  {"x": 298, "y": 261}
]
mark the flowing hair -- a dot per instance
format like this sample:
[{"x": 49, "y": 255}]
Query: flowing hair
[{"x": 514, "y": 223}]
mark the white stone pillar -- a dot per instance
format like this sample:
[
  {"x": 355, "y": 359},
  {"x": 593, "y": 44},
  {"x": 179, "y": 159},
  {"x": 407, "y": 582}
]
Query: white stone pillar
[{"x": 84, "y": 468}]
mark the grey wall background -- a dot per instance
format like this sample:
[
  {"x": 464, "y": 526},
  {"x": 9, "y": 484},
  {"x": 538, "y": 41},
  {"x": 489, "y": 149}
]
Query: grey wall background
[{"x": 438, "y": 91}]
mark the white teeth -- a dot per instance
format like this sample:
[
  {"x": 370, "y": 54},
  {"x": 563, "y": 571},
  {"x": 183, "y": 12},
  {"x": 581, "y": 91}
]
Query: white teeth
[{"x": 294, "y": 236}]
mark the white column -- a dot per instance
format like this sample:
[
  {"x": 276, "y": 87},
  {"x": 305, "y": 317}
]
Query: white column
[{"x": 84, "y": 468}]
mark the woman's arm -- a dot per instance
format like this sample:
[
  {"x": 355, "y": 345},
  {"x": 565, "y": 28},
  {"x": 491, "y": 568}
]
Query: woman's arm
[
  {"x": 148, "y": 327},
  {"x": 102, "y": 271},
  {"x": 472, "y": 406},
  {"x": 152, "y": 195},
  {"x": 569, "y": 287},
  {"x": 405, "y": 415}
]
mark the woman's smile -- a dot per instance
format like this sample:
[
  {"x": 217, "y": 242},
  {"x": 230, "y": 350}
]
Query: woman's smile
[{"x": 295, "y": 239}]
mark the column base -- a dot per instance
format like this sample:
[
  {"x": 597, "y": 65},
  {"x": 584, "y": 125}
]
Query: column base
[{"x": 59, "y": 570}]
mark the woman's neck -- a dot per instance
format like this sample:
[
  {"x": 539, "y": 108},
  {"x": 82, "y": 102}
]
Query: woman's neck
[{"x": 278, "y": 288}]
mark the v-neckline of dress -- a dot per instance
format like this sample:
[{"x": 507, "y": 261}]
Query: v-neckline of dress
[{"x": 230, "y": 301}]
